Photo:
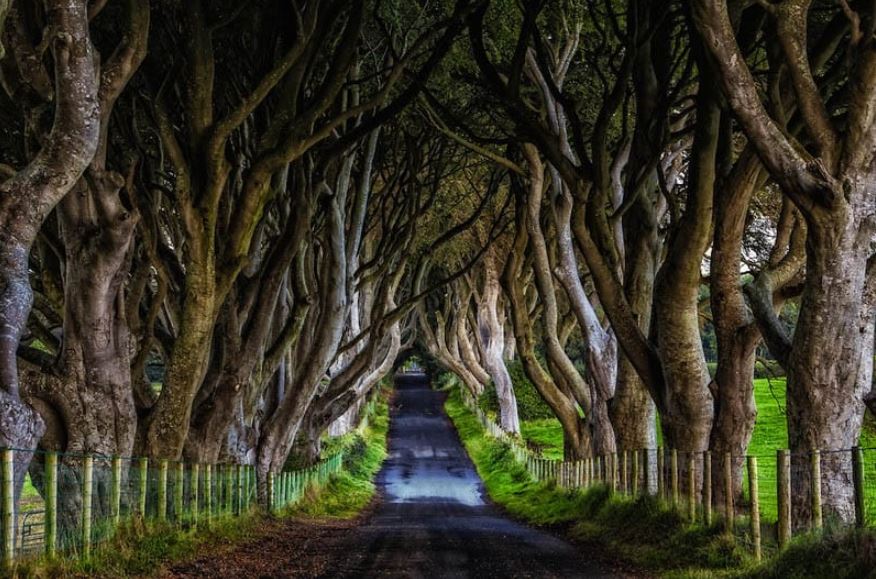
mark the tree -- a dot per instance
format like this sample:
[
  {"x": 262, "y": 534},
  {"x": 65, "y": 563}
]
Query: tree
[
  {"x": 30, "y": 193},
  {"x": 829, "y": 175}
]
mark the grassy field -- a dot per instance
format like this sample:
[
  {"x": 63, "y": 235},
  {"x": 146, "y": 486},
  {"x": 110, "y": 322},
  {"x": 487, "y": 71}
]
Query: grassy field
[{"x": 770, "y": 434}]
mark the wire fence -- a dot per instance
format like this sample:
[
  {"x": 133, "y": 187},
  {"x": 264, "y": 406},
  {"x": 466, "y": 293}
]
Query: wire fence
[
  {"x": 762, "y": 500},
  {"x": 54, "y": 504}
]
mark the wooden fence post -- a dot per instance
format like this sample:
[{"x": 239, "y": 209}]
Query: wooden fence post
[
  {"x": 179, "y": 485},
  {"x": 858, "y": 482},
  {"x": 193, "y": 489},
  {"x": 116, "y": 491},
  {"x": 755, "y": 506},
  {"x": 271, "y": 490},
  {"x": 162, "y": 490},
  {"x": 241, "y": 489},
  {"x": 143, "y": 467},
  {"x": 229, "y": 489},
  {"x": 729, "y": 512},
  {"x": 624, "y": 472},
  {"x": 692, "y": 485},
  {"x": 783, "y": 480},
  {"x": 646, "y": 471},
  {"x": 87, "y": 484},
  {"x": 815, "y": 488},
  {"x": 236, "y": 495},
  {"x": 661, "y": 472},
  {"x": 244, "y": 483},
  {"x": 588, "y": 472},
  {"x": 51, "y": 525},
  {"x": 707, "y": 488},
  {"x": 614, "y": 472},
  {"x": 673, "y": 459},
  {"x": 634, "y": 490},
  {"x": 208, "y": 492},
  {"x": 8, "y": 496}
]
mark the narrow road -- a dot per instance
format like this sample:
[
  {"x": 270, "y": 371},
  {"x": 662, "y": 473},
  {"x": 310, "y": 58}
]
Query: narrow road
[{"x": 433, "y": 519}]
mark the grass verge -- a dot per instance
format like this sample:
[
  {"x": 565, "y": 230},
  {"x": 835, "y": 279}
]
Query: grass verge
[
  {"x": 770, "y": 433},
  {"x": 139, "y": 549},
  {"x": 642, "y": 531},
  {"x": 648, "y": 533},
  {"x": 350, "y": 491}
]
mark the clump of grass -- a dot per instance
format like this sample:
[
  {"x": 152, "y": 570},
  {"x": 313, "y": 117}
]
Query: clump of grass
[
  {"x": 545, "y": 435},
  {"x": 838, "y": 554},
  {"x": 351, "y": 490}
]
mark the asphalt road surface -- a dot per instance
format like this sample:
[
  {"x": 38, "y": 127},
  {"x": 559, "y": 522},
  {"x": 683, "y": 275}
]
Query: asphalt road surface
[{"x": 433, "y": 519}]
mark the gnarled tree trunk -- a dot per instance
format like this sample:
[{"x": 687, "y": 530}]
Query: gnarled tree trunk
[{"x": 27, "y": 198}]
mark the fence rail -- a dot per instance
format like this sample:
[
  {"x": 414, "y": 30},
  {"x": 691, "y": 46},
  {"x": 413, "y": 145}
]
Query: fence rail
[{"x": 697, "y": 483}]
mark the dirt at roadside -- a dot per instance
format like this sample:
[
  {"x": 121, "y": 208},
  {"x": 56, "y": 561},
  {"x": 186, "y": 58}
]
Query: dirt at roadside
[{"x": 283, "y": 548}]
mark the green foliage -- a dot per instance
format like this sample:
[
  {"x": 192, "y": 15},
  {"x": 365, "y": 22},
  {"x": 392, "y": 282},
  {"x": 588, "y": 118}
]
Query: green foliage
[
  {"x": 351, "y": 490},
  {"x": 530, "y": 404}
]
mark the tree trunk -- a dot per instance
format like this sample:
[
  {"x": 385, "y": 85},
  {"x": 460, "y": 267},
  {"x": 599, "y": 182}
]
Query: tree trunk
[
  {"x": 735, "y": 328},
  {"x": 280, "y": 430},
  {"x": 168, "y": 423},
  {"x": 688, "y": 405},
  {"x": 27, "y": 198},
  {"x": 492, "y": 337},
  {"x": 831, "y": 363},
  {"x": 633, "y": 413},
  {"x": 576, "y": 435}
]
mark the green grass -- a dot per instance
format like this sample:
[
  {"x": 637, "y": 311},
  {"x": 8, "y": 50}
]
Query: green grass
[
  {"x": 681, "y": 551},
  {"x": 142, "y": 549},
  {"x": 138, "y": 549},
  {"x": 643, "y": 531},
  {"x": 770, "y": 434},
  {"x": 545, "y": 436},
  {"x": 836, "y": 554},
  {"x": 350, "y": 491}
]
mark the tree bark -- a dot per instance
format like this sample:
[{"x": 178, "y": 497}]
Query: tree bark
[
  {"x": 491, "y": 330},
  {"x": 830, "y": 358},
  {"x": 689, "y": 407},
  {"x": 27, "y": 198},
  {"x": 735, "y": 328},
  {"x": 576, "y": 434}
]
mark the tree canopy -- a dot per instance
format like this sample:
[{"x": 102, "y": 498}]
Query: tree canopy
[{"x": 221, "y": 223}]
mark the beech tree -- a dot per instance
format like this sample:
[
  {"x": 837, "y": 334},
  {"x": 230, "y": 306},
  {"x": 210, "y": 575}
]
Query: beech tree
[
  {"x": 828, "y": 173},
  {"x": 30, "y": 192}
]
